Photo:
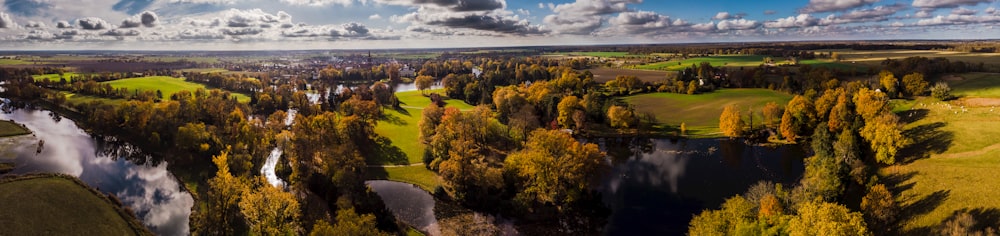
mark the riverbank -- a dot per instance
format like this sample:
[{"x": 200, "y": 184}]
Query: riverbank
[
  {"x": 60, "y": 204},
  {"x": 9, "y": 128}
]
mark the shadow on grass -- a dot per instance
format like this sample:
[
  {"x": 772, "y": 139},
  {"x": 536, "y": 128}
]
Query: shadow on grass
[
  {"x": 923, "y": 206},
  {"x": 393, "y": 119},
  {"x": 910, "y": 116},
  {"x": 895, "y": 181},
  {"x": 386, "y": 153},
  {"x": 977, "y": 221},
  {"x": 376, "y": 173},
  {"x": 927, "y": 139}
]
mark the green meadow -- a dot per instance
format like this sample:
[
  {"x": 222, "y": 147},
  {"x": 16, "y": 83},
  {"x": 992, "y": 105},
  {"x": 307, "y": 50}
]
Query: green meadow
[
  {"x": 54, "y": 205},
  {"x": 700, "y": 112},
  {"x": 166, "y": 84}
]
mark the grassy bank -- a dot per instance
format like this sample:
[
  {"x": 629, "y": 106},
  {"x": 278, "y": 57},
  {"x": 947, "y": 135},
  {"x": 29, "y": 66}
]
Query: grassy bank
[
  {"x": 976, "y": 85},
  {"x": 60, "y": 205},
  {"x": 701, "y": 112},
  {"x": 166, "y": 84},
  {"x": 951, "y": 166},
  {"x": 9, "y": 128}
]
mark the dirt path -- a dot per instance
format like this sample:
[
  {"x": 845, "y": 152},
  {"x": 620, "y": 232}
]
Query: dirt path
[{"x": 972, "y": 153}]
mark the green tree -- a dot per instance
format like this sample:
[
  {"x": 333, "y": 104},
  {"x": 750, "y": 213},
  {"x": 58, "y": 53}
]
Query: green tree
[
  {"x": 730, "y": 122},
  {"x": 553, "y": 168},
  {"x": 423, "y": 83},
  {"x": 915, "y": 84},
  {"x": 941, "y": 91},
  {"x": 270, "y": 211},
  {"x": 823, "y": 218}
]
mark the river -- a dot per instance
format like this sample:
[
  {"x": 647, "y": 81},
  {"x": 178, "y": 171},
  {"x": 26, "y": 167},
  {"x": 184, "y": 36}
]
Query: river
[{"x": 142, "y": 182}]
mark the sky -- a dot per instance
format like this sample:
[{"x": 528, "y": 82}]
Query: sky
[{"x": 375, "y": 24}]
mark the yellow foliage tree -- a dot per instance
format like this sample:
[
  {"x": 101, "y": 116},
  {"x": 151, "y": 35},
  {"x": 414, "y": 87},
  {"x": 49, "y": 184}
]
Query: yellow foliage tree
[{"x": 730, "y": 122}]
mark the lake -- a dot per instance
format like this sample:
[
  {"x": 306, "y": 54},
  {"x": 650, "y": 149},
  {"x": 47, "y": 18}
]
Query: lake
[{"x": 142, "y": 182}]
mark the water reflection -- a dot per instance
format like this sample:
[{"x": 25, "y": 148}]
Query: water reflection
[
  {"x": 410, "y": 204},
  {"x": 657, "y": 191},
  {"x": 142, "y": 183}
]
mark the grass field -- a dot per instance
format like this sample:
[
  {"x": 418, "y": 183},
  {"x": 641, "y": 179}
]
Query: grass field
[
  {"x": 205, "y": 70},
  {"x": 167, "y": 85},
  {"x": 80, "y": 98},
  {"x": 14, "y": 62},
  {"x": 716, "y": 61},
  {"x": 58, "y": 206},
  {"x": 701, "y": 112},
  {"x": 877, "y": 56},
  {"x": 55, "y": 77},
  {"x": 401, "y": 129},
  {"x": 954, "y": 163},
  {"x": 605, "y": 74},
  {"x": 976, "y": 85},
  {"x": 9, "y": 128}
]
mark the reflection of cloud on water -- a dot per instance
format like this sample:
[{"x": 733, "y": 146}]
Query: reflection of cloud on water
[
  {"x": 408, "y": 203},
  {"x": 158, "y": 198},
  {"x": 653, "y": 169},
  {"x": 60, "y": 152}
]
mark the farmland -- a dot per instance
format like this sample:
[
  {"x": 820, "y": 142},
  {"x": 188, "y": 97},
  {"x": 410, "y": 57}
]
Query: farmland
[{"x": 167, "y": 85}]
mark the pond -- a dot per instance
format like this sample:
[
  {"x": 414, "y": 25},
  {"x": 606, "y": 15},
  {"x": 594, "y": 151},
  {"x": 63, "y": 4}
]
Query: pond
[
  {"x": 408, "y": 203},
  {"x": 657, "y": 186},
  {"x": 141, "y": 182}
]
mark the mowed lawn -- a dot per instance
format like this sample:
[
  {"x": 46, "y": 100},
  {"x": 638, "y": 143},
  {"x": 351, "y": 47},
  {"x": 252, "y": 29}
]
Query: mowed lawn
[
  {"x": 9, "y": 128},
  {"x": 57, "y": 206},
  {"x": 977, "y": 85},
  {"x": 401, "y": 129},
  {"x": 955, "y": 161},
  {"x": 700, "y": 112},
  {"x": 166, "y": 84}
]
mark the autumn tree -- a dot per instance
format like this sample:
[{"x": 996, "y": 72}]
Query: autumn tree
[
  {"x": 553, "y": 168},
  {"x": 730, "y": 122},
  {"x": 349, "y": 223},
  {"x": 270, "y": 211},
  {"x": 889, "y": 82},
  {"x": 880, "y": 207},
  {"x": 567, "y": 106},
  {"x": 885, "y": 135},
  {"x": 824, "y": 218},
  {"x": 841, "y": 115},
  {"x": 225, "y": 191},
  {"x": 798, "y": 119},
  {"x": 466, "y": 152},
  {"x": 621, "y": 117},
  {"x": 430, "y": 119},
  {"x": 423, "y": 82},
  {"x": 870, "y": 103},
  {"x": 915, "y": 84},
  {"x": 692, "y": 87},
  {"x": 772, "y": 113}
]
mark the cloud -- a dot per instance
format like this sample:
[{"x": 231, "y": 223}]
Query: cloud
[
  {"x": 737, "y": 24},
  {"x": 92, "y": 23},
  {"x": 318, "y": 2},
  {"x": 27, "y": 7},
  {"x": 5, "y": 21},
  {"x": 644, "y": 22},
  {"x": 63, "y": 24},
  {"x": 923, "y": 14},
  {"x": 148, "y": 18},
  {"x": 800, "y": 21},
  {"x": 492, "y": 23},
  {"x": 451, "y": 5},
  {"x": 541, "y": 6},
  {"x": 219, "y": 2},
  {"x": 963, "y": 11},
  {"x": 879, "y": 13},
  {"x": 946, "y": 3},
  {"x": 121, "y": 32},
  {"x": 375, "y": 17},
  {"x": 34, "y": 24},
  {"x": 991, "y": 11},
  {"x": 955, "y": 19},
  {"x": 584, "y": 16},
  {"x": 722, "y": 16},
  {"x": 770, "y": 12},
  {"x": 816, "y": 6},
  {"x": 254, "y": 17}
]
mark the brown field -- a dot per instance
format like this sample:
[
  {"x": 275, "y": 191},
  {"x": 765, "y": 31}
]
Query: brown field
[
  {"x": 605, "y": 74},
  {"x": 877, "y": 56}
]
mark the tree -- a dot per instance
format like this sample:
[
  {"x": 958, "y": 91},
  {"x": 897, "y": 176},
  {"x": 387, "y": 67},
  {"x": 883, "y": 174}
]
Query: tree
[
  {"x": 730, "y": 122},
  {"x": 553, "y": 168},
  {"x": 870, "y": 104},
  {"x": 423, "y": 82},
  {"x": 941, "y": 91},
  {"x": 798, "y": 119},
  {"x": 772, "y": 113},
  {"x": 225, "y": 191},
  {"x": 430, "y": 119},
  {"x": 621, "y": 117},
  {"x": 349, "y": 223},
  {"x": 823, "y": 218},
  {"x": 885, "y": 135},
  {"x": 836, "y": 56},
  {"x": 888, "y": 82},
  {"x": 915, "y": 84},
  {"x": 270, "y": 211},
  {"x": 692, "y": 87},
  {"x": 567, "y": 106},
  {"x": 880, "y": 207}
]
